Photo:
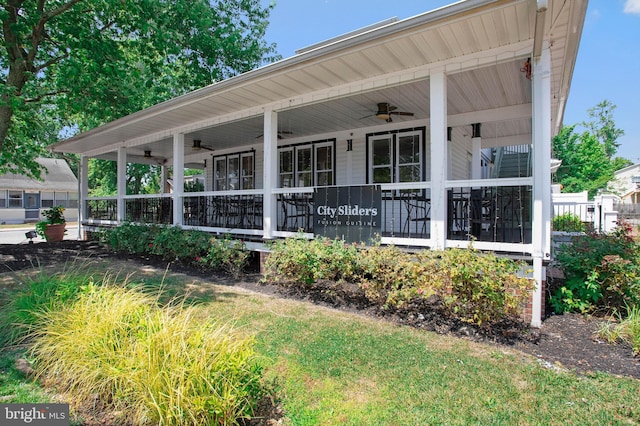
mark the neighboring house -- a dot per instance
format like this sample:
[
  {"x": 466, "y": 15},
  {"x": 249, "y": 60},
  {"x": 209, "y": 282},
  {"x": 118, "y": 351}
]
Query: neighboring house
[
  {"x": 427, "y": 132},
  {"x": 22, "y": 199},
  {"x": 626, "y": 184}
]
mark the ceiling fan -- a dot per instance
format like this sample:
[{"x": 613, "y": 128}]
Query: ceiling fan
[
  {"x": 280, "y": 133},
  {"x": 161, "y": 161},
  {"x": 197, "y": 146},
  {"x": 386, "y": 110}
]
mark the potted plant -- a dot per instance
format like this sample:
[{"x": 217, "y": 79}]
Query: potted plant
[{"x": 53, "y": 228}]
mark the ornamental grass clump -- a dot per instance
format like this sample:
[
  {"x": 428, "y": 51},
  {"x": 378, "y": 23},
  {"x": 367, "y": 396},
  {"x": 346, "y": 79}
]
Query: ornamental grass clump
[
  {"x": 21, "y": 314},
  {"x": 150, "y": 364}
]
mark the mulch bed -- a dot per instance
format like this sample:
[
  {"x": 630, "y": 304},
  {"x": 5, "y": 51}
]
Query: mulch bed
[{"x": 564, "y": 341}]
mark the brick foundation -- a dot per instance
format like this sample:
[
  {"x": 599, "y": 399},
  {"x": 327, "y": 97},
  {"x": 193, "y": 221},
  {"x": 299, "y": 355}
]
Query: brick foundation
[{"x": 527, "y": 308}]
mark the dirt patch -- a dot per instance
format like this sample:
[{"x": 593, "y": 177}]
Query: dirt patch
[{"x": 564, "y": 341}]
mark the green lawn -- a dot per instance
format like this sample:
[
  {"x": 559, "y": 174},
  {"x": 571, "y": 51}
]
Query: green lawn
[{"x": 336, "y": 368}]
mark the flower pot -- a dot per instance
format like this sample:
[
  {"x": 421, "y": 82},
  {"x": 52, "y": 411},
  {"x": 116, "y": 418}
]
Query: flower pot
[{"x": 53, "y": 233}]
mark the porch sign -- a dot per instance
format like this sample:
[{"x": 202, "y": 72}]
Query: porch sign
[{"x": 350, "y": 213}]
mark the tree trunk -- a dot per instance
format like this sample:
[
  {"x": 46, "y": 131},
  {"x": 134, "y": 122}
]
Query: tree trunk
[{"x": 6, "y": 112}]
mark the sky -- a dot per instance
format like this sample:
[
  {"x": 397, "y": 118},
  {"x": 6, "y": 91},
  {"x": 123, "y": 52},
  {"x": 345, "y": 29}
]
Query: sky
[{"x": 606, "y": 69}]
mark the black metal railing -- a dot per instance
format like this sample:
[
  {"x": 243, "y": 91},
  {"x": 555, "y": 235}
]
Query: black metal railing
[
  {"x": 149, "y": 210},
  {"x": 295, "y": 212},
  {"x": 103, "y": 209},
  {"x": 406, "y": 214},
  {"x": 493, "y": 214},
  {"x": 224, "y": 211}
]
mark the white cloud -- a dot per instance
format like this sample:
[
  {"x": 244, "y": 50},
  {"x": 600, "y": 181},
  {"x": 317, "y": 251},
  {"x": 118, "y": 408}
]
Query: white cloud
[{"x": 632, "y": 6}]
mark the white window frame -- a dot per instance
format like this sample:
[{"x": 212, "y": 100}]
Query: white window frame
[
  {"x": 237, "y": 181},
  {"x": 296, "y": 174},
  {"x": 394, "y": 165},
  {"x": 15, "y": 205}
]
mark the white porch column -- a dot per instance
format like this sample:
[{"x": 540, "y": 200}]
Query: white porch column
[
  {"x": 439, "y": 158},
  {"x": 122, "y": 183},
  {"x": 83, "y": 194},
  {"x": 476, "y": 151},
  {"x": 541, "y": 231},
  {"x": 178, "y": 177},
  {"x": 270, "y": 174}
]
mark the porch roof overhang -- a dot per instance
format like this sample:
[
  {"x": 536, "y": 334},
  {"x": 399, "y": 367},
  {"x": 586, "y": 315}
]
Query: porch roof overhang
[{"x": 481, "y": 44}]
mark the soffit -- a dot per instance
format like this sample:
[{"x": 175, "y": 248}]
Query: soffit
[{"x": 405, "y": 45}]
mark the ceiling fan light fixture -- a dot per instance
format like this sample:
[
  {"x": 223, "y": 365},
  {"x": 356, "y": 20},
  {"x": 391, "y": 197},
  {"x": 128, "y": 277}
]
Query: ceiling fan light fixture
[{"x": 383, "y": 115}]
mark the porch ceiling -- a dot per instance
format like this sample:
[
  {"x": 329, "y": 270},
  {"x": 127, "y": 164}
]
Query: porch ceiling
[{"x": 334, "y": 87}]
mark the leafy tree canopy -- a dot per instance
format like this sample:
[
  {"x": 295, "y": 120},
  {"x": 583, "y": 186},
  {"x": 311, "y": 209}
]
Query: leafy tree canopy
[
  {"x": 588, "y": 158},
  {"x": 77, "y": 64}
]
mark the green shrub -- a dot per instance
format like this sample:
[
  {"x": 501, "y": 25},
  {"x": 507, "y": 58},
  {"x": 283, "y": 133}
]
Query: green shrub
[
  {"x": 131, "y": 238},
  {"x": 476, "y": 287},
  {"x": 391, "y": 277},
  {"x": 298, "y": 260},
  {"x": 601, "y": 273},
  {"x": 151, "y": 365},
  {"x": 568, "y": 222},
  {"x": 225, "y": 254},
  {"x": 483, "y": 287},
  {"x": 172, "y": 243}
]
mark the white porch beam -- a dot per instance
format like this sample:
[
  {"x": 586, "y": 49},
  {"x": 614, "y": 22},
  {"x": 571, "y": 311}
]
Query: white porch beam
[
  {"x": 121, "y": 183},
  {"x": 439, "y": 158},
  {"x": 513, "y": 112},
  {"x": 523, "y": 139},
  {"x": 541, "y": 231},
  {"x": 178, "y": 177},
  {"x": 270, "y": 174}
]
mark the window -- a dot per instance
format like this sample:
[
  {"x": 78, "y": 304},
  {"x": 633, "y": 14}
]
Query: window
[
  {"x": 3, "y": 199},
  {"x": 307, "y": 165},
  {"x": 73, "y": 200},
  {"x": 286, "y": 168},
  {"x": 234, "y": 172},
  {"x": 47, "y": 200},
  {"x": 304, "y": 171},
  {"x": 396, "y": 157},
  {"x": 62, "y": 199},
  {"x": 15, "y": 199},
  {"x": 247, "y": 171},
  {"x": 324, "y": 165}
]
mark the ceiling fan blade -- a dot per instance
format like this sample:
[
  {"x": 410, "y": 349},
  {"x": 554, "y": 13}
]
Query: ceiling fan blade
[{"x": 410, "y": 114}]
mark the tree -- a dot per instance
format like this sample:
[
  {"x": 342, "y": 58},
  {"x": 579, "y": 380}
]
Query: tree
[
  {"x": 603, "y": 127},
  {"x": 77, "y": 64},
  {"x": 588, "y": 161}
]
